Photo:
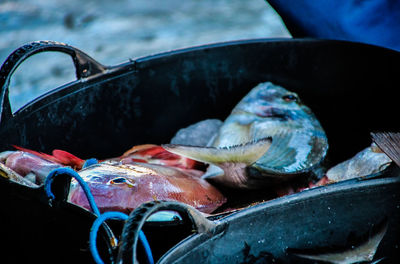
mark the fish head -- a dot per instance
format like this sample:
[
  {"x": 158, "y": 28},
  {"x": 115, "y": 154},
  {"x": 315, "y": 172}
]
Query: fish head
[
  {"x": 269, "y": 101},
  {"x": 299, "y": 142}
]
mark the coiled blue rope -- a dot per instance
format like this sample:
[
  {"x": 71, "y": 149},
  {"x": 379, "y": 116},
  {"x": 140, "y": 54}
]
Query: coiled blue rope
[{"x": 101, "y": 218}]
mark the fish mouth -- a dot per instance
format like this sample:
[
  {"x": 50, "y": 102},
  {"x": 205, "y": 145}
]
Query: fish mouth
[{"x": 273, "y": 113}]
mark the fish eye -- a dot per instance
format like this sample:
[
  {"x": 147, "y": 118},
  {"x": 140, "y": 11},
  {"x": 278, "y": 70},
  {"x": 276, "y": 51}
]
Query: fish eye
[
  {"x": 118, "y": 180},
  {"x": 290, "y": 98}
]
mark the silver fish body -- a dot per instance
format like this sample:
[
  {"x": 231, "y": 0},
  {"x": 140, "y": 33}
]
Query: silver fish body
[{"x": 269, "y": 111}]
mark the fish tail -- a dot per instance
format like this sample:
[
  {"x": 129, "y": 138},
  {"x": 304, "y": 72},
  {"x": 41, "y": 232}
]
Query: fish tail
[{"x": 389, "y": 143}]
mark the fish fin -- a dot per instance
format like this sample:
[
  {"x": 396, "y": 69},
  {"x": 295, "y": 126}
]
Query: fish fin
[
  {"x": 389, "y": 143},
  {"x": 231, "y": 160},
  {"x": 58, "y": 156},
  {"x": 213, "y": 171},
  {"x": 67, "y": 158},
  {"x": 288, "y": 152},
  {"x": 362, "y": 251},
  {"x": 36, "y": 153},
  {"x": 247, "y": 153},
  {"x": 145, "y": 149}
]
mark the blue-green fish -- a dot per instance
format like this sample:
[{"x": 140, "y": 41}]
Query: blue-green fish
[{"x": 269, "y": 137}]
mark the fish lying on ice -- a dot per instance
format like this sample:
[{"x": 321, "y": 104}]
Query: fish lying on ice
[{"x": 243, "y": 151}]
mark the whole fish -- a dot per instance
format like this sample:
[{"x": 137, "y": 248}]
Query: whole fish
[
  {"x": 143, "y": 173},
  {"x": 119, "y": 187},
  {"x": 37, "y": 165},
  {"x": 242, "y": 149}
]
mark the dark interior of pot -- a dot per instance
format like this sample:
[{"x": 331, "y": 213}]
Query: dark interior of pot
[{"x": 350, "y": 87}]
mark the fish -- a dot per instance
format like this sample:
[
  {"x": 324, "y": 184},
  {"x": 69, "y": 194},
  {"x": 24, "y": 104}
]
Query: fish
[
  {"x": 37, "y": 165},
  {"x": 197, "y": 134},
  {"x": 7, "y": 173},
  {"x": 124, "y": 187},
  {"x": 273, "y": 121},
  {"x": 141, "y": 174},
  {"x": 367, "y": 162},
  {"x": 155, "y": 154},
  {"x": 359, "y": 251},
  {"x": 58, "y": 156},
  {"x": 30, "y": 166}
]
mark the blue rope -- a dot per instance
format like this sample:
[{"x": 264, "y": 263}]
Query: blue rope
[
  {"x": 95, "y": 228},
  {"x": 146, "y": 246},
  {"x": 100, "y": 217},
  {"x": 70, "y": 172}
]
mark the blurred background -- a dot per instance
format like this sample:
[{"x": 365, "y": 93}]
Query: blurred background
[{"x": 112, "y": 32}]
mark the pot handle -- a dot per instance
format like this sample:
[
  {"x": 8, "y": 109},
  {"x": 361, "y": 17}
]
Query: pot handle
[
  {"x": 85, "y": 66},
  {"x": 136, "y": 220}
]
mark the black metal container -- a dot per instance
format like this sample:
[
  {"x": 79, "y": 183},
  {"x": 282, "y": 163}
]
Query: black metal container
[{"x": 349, "y": 86}]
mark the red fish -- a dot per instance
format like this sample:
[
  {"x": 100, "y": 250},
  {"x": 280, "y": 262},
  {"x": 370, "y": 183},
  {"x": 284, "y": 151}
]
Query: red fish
[
  {"x": 146, "y": 153},
  {"x": 143, "y": 173},
  {"x": 25, "y": 163},
  {"x": 118, "y": 187},
  {"x": 155, "y": 154}
]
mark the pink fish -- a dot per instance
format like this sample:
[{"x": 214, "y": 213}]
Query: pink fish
[
  {"x": 143, "y": 173},
  {"x": 118, "y": 187},
  {"x": 155, "y": 154},
  {"x": 31, "y": 166}
]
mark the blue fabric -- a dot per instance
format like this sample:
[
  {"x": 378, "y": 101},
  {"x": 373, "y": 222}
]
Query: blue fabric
[{"x": 374, "y": 22}]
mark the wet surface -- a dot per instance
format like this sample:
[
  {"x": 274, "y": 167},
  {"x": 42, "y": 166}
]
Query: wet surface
[{"x": 112, "y": 32}]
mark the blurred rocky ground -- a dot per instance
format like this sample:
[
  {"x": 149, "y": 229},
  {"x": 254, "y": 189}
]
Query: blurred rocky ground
[{"x": 114, "y": 31}]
